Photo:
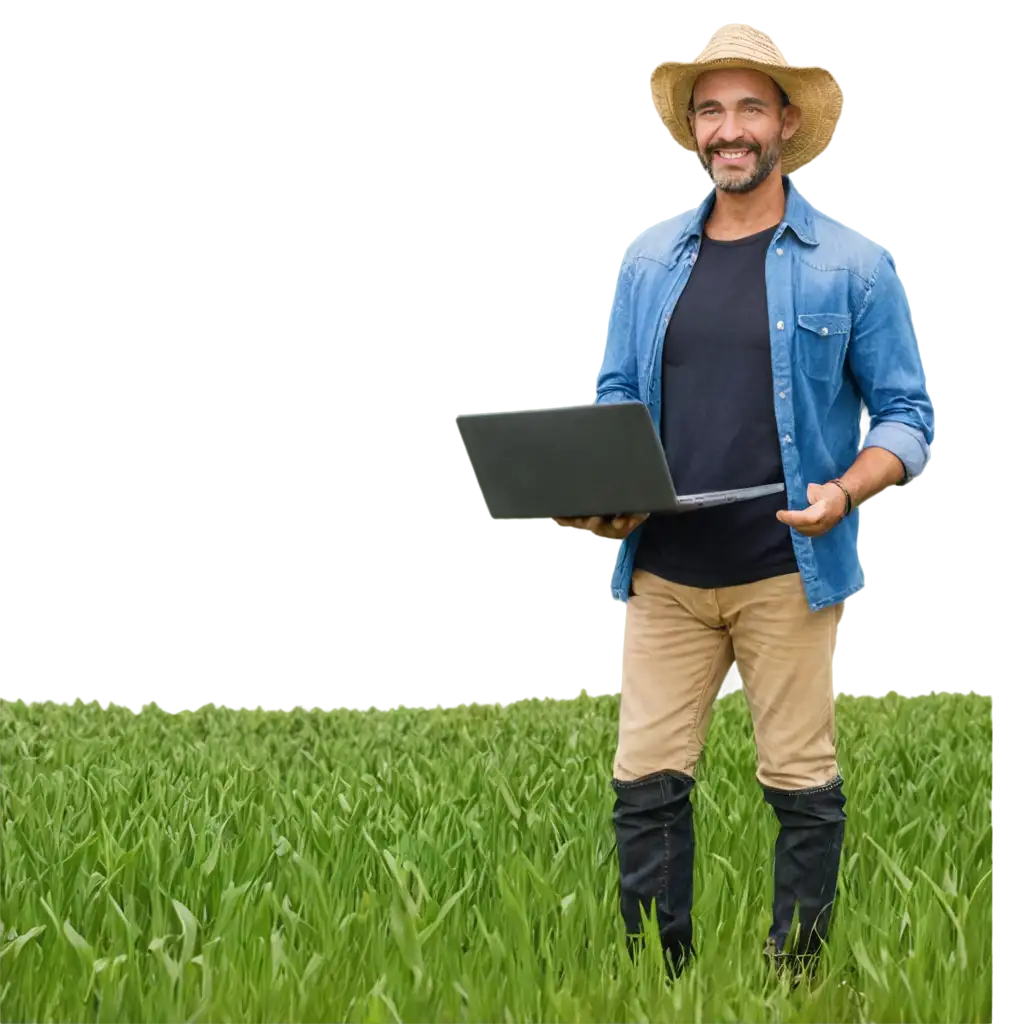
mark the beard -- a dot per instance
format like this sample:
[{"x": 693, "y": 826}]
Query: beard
[{"x": 728, "y": 180}]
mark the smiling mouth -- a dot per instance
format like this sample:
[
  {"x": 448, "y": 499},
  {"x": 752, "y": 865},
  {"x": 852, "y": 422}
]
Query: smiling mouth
[{"x": 732, "y": 155}]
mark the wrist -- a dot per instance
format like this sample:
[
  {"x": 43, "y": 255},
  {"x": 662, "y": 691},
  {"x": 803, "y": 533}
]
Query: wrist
[{"x": 847, "y": 497}]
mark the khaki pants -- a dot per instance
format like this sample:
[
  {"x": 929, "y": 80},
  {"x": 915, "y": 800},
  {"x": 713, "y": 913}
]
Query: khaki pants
[{"x": 681, "y": 642}]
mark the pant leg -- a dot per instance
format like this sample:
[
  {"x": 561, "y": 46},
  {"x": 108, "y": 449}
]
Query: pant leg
[
  {"x": 784, "y": 655},
  {"x": 675, "y": 656}
]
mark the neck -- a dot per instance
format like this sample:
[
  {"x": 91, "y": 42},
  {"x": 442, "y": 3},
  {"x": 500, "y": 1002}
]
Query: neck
[{"x": 738, "y": 214}]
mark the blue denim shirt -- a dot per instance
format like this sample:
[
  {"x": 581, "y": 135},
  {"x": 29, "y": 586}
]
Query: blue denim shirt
[{"x": 841, "y": 339}]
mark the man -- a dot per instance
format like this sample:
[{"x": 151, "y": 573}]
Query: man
[{"x": 755, "y": 329}]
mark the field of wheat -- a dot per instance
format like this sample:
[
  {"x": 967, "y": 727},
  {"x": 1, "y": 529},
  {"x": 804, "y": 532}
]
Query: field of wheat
[{"x": 459, "y": 865}]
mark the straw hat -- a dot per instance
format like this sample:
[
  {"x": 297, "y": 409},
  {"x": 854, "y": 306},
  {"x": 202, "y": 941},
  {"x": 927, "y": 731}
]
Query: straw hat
[{"x": 813, "y": 90}]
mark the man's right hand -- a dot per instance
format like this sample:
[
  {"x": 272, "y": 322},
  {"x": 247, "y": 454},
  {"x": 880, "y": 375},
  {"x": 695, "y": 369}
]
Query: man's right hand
[{"x": 618, "y": 528}]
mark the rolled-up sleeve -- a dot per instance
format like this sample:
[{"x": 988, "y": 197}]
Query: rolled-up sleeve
[
  {"x": 618, "y": 380},
  {"x": 886, "y": 364}
]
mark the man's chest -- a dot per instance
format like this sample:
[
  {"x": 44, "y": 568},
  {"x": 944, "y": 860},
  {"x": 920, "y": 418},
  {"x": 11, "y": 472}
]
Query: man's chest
[
  {"x": 774, "y": 309},
  {"x": 721, "y": 315}
]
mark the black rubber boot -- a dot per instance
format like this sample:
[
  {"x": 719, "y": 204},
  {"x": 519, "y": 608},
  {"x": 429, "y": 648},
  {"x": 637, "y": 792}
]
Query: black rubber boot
[
  {"x": 807, "y": 851},
  {"x": 653, "y": 820}
]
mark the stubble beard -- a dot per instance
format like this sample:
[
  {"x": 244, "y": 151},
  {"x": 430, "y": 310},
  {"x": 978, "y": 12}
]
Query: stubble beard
[{"x": 730, "y": 181}]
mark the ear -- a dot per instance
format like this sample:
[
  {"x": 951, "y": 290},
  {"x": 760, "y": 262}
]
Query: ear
[{"x": 792, "y": 118}]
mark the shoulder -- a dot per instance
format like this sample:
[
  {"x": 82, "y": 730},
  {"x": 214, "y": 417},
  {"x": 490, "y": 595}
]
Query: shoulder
[
  {"x": 842, "y": 248},
  {"x": 660, "y": 241}
]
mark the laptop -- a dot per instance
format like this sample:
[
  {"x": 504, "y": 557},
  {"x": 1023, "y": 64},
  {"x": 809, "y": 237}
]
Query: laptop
[{"x": 589, "y": 460}]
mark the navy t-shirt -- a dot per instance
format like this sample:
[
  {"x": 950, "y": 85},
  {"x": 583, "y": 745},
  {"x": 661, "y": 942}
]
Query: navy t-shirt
[{"x": 718, "y": 425}]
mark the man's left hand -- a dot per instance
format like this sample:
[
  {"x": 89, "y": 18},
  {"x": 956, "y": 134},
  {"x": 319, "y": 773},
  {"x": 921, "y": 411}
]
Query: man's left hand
[{"x": 827, "y": 503}]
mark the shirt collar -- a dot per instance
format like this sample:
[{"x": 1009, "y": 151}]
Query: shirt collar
[{"x": 798, "y": 216}]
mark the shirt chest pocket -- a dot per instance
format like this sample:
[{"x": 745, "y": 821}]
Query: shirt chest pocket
[{"x": 821, "y": 340}]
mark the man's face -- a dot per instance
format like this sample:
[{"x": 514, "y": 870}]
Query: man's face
[{"x": 740, "y": 126}]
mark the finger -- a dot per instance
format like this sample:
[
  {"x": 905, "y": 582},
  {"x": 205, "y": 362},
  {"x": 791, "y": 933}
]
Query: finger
[
  {"x": 804, "y": 530},
  {"x": 803, "y": 527},
  {"x": 808, "y": 528},
  {"x": 803, "y": 517},
  {"x": 818, "y": 511}
]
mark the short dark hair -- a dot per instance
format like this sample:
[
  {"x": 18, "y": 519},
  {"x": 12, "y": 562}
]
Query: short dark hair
[{"x": 783, "y": 96}]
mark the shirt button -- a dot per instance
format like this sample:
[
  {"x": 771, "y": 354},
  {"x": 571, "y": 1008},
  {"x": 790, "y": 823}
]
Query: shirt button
[
  {"x": 782, "y": 394},
  {"x": 788, "y": 439},
  {"x": 824, "y": 330},
  {"x": 780, "y": 325},
  {"x": 778, "y": 252}
]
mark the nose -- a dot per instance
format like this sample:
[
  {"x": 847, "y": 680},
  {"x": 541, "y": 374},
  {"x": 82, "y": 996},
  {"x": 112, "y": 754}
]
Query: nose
[{"x": 730, "y": 128}]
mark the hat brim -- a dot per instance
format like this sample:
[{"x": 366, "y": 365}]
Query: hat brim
[{"x": 813, "y": 90}]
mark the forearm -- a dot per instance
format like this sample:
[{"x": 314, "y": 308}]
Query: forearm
[{"x": 873, "y": 471}]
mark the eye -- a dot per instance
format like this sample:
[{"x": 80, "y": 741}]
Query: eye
[{"x": 753, "y": 110}]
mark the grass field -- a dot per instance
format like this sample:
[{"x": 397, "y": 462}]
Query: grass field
[{"x": 459, "y": 865}]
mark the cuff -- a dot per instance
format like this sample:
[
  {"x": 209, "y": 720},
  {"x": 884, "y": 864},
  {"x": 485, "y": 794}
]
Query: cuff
[{"x": 907, "y": 443}]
